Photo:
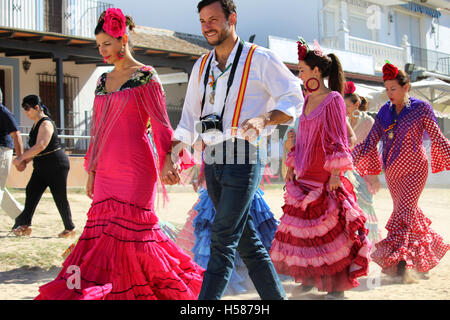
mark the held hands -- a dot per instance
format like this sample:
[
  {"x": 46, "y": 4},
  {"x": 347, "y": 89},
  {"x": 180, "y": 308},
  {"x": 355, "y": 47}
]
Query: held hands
[
  {"x": 170, "y": 172},
  {"x": 20, "y": 164}
]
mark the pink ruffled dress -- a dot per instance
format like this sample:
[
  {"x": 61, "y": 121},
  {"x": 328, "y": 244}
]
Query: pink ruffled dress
[
  {"x": 122, "y": 253},
  {"x": 321, "y": 240}
]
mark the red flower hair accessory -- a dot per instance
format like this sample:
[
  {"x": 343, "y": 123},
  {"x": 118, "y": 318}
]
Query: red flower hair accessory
[
  {"x": 302, "y": 48},
  {"x": 390, "y": 71},
  {"x": 115, "y": 23},
  {"x": 349, "y": 87}
]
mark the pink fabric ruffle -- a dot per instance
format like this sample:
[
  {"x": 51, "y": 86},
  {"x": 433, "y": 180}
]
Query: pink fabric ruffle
[
  {"x": 123, "y": 246},
  {"x": 340, "y": 161},
  {"x": 332, "y": 241},
  {"x": 316, "y": 257},
  {"x": 299, "y": 227},
  {"x": 300, "y": 198},
  {"x": 328, "y": 252},
  {"x": 185, "y": 238}
]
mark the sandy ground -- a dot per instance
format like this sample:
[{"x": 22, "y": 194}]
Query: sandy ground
[{"x": 27, "y": 263}]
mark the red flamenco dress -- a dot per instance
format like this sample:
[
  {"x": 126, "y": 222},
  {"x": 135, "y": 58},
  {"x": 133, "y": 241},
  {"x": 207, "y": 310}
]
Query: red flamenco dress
[
  {"x": 122, "y": 253},
  {"x": 321, "y": 240},
  {"x": 405, "y": 163}
]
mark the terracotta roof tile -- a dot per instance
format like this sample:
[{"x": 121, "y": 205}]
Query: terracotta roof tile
[{"x": 169, "y": 41}]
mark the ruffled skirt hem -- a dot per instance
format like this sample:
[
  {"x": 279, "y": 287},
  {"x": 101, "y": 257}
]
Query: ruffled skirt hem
[
  {"x": 421, "y": 251},
  {"x": 264, "y": 222},
  {"x": 322, "y": 239},
  {"x": 124, "y": 255}
]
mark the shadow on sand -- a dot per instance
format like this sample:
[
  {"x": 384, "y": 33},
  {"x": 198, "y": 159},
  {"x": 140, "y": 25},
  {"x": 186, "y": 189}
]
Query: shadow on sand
[{"x": 28, "y": 275}]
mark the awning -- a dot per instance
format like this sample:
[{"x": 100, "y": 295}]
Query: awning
[
  {"x": 432, "y": 90},
  {"x": 373, "y": 94},
  {"x": 414, "y": 7},
  {"x": 387, "y": 2}
]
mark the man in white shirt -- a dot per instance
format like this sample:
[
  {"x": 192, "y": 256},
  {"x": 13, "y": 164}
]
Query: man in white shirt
[{"x": 233, "y": 159}]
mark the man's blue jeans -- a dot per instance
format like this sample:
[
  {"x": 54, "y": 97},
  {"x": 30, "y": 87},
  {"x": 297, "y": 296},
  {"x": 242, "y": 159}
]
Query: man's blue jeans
[{"x": 231, "y": 188}]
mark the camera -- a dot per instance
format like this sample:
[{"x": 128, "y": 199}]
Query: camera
[{"x": 211, "y": 122}]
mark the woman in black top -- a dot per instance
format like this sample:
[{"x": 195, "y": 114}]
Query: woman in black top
[{"x": 51, "y": 167}]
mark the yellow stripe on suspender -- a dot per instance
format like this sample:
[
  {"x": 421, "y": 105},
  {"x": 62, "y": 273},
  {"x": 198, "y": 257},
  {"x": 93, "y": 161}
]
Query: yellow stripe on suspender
[
  {"x": 241, "y": 94},
  {"x": 202, "y": 66}
]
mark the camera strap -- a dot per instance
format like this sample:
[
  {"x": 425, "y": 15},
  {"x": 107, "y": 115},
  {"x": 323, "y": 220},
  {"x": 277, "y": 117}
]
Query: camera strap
[{"x": 230, "y": 79}]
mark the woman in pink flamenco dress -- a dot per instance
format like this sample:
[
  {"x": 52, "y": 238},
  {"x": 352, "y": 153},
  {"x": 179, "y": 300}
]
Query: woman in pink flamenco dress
[
  {"x": 400, "y": 125},
  {"x": 122, "y": 253},
  {"x": 321, "y": 240}
]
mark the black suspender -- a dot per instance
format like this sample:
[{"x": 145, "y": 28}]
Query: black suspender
[{"x": 230, "y": 79}]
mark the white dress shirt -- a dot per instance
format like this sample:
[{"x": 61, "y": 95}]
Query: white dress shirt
[{"x": 271, "y": 86}]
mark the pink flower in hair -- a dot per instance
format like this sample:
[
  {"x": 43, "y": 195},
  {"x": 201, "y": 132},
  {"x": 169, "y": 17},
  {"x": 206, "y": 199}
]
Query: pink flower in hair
[
  {"x": 317, "y": 49},
  {"x": 115, "y": 23}
]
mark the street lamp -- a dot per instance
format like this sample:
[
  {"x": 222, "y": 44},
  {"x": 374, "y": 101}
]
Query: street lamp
[{"x": 26, "y": 65}]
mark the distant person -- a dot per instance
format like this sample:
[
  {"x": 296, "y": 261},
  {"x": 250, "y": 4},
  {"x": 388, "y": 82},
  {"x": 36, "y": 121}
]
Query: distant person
[
  {"x": 50, "y": 168},
  {"x": 361, "y": 123},
  {"x": 9, "y": 140},
  {"x": 400, "y": 125}
]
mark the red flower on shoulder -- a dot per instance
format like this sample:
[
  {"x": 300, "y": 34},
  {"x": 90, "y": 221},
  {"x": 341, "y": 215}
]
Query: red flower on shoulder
[
  {"x": 390, "y": 71},
  {"x": 115, "y": 23},
  {"x": 349, "y": 87}
]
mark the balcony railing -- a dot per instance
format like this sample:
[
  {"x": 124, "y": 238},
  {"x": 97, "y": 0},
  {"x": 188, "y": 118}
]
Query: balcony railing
[
  {"x": 380, "y": 52},
  {"x": 433, "y": 61},
  {"x": 71, "y": 17}
]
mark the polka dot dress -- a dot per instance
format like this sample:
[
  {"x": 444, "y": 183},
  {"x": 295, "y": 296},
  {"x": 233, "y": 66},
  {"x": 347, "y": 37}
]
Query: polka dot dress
[{"x": 405, "y": 162}]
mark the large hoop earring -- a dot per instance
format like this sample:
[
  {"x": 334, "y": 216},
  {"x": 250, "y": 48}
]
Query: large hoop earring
[
  {"x": 407, "y": 101},
  {"x": 356, "y": 114},
  {"x": 308, "y": 85}
]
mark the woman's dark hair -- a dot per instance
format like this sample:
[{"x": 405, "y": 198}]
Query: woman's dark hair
[
  {"x": 33, "y": 100},
  {"x": 228, "y": 6},
  {"x": 330, "y": 67},
  {"x": 354, "y": 98},
  {"x": 101, "y": 21}
]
